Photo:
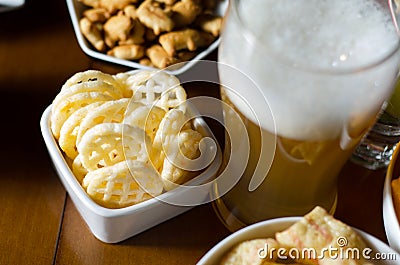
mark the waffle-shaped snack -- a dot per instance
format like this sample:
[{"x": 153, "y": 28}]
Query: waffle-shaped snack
[
  {"x": 126, "y": 183},
  {"x": 65, "y": 109},
  {"x": 102, "y": 120},
  {"x": 144, "y": 116},
  {"x": 188, "y": 143},
  {"x": 158, "y": 88},
  {"x": 89, "y": 86},
  {"x": 166, "y": 143},
  {"x": 109, "y": 112},
  {"x": 87, "y": 76},
  {"x": 109, "y": 143},
  {"x": 70, "y": 128},
  {"x": 78, "y": 169}
]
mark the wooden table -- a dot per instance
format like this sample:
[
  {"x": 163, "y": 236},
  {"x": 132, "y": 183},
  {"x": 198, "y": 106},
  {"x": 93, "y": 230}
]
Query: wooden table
[{"x": 38, "y": 223}]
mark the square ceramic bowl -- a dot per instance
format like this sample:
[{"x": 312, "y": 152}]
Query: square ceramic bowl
[
  {"x": 267, "y": 229},
  {"x": 115, "y": 225},
  {"x": 76, "y": 9},
  {"x": 392, "y": 224}
]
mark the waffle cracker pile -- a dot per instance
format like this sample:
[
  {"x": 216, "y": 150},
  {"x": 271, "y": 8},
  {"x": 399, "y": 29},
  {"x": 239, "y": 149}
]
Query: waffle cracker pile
[{"x": 122, "y": 132}]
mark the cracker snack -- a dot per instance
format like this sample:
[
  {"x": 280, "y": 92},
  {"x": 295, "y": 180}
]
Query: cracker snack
[
  {"x": 396, "y": 196},
  {"x": 317, "y": 238},
  {"x": 156, "y": 33},
  {"x": 116, "y": 131}
]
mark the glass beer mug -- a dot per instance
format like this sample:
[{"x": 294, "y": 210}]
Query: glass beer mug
[{"x": 307, "y": 79}]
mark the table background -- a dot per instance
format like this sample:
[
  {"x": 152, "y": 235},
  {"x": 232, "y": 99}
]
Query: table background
[{"x": 38, "y": 223}]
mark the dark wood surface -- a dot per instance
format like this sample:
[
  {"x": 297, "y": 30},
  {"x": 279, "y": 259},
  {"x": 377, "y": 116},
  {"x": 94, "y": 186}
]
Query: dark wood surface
[{"x": 39, "y": 223}]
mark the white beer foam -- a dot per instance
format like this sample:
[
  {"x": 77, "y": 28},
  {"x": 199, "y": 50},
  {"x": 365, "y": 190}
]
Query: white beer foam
[{"x": 324, "y": 37}]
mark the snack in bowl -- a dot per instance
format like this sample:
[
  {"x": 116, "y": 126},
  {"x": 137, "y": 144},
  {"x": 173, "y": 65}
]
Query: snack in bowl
[
  {"x": 391, "y": 200},
  {"x": 317, "y": 238},
  {"x": 155, "y": 33},
  {"x": 396, "y": 196},
  {"x": 117, "y": 130}
]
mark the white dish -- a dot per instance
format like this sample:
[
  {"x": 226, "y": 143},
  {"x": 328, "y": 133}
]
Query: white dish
[
  {"x": 76, "y": 9},
  {"x": 392, "y": 225},
  {"x": 115, "y": 225},
  {"x": 270, "y": 227}
]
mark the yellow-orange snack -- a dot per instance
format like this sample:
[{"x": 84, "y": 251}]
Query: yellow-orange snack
[
  {"x": 136, "y": 35},
  {"x": 114, "y": 5},
  {"x": 126, "y": 183},
  {"x": 117, "y": 28},
  {"x": 106, "y": 125},
  {"x": 310, "y": 237},
  {"x": 396, "y": 196},
  {"x": 189, "y": 39},
  {"x": 128, "y": 52},
  {"x": 209, "y": 23},
  {"x": 159, "y": 57},
  {"x": 185, "y": 12},
  {"x": 92, "y": 33},
  {"x": 192, "y": 25},
  {"x": 97, "y": 14},
  {"x": 154, "y": 17},
  {"x": 167, "y": 2}
]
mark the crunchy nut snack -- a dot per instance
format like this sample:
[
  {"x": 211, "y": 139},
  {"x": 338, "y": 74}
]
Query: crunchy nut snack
[
  {"x": 168, "y": 31},
  {"x": 189, "y": 39},
  {"x": 396, "y": 196},
  {"x": 97, "y": 15},
  {"x": 128, "y": 52},
  {"x": 108, "y": 127},
  {"x": 159, "y": 57},
  {"x": 92, "y": 33},
  {"x": 154, "y": 17},
  {"x": 209, "y": 23},
  {"x": 185, "y": 12},
  {"x": 117, "y": 28}
]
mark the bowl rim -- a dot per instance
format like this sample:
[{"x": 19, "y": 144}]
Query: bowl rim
[
  {"x": 390, "y": 220},
  {"x": 66, "y": 175},
  {"x": 184, "y": 66}
]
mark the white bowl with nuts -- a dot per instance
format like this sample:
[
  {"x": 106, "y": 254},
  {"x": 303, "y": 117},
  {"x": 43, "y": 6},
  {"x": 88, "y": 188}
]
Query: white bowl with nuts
[{"x": 161, "y": 34}]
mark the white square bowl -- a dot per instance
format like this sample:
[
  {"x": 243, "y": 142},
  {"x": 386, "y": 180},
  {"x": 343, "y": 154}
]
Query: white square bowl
[
  {"x": 392, "y": 225},
  {"x": 115, "y": 225},
  {"x": 76, "y": 9}
]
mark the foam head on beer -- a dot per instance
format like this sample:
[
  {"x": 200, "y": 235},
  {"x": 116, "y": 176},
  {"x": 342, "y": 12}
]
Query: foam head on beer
[{"x": 322, "y": 66}]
